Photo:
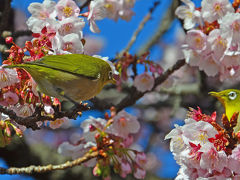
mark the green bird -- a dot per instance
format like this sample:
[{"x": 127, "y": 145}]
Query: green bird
[
  {"x": 230, "y": 99},
  {"x": 69, "y": 77}
]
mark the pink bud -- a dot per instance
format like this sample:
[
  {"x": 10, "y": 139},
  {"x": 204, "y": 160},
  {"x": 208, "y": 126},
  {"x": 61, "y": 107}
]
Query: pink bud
[
  {"x": 152, "y": 68},
  {"x": 9, "y": 40}
]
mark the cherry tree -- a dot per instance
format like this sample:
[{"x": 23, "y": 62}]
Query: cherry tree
[{"x": 37, "y": 137}]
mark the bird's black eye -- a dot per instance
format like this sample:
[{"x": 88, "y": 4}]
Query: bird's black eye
[
  {"x": 110, "y": 75},
  {"x": 232, "y": 95}
]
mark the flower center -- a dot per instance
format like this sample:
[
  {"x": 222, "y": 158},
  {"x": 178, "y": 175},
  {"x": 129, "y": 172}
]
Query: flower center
[{"x": 67, "y": 11}]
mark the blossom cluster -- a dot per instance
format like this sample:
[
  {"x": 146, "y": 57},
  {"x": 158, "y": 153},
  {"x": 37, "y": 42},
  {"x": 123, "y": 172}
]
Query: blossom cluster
[
  {"x": 203, "y": 149},
  {"x": 112, "y": 138},
  {"x": 143, "y": 82},
  {"x": 212, "y": 39},
  {"x": 113, "y": 9}
]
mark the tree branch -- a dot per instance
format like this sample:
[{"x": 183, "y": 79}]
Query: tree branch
[
  {"x": 162, "y": 28},
  {"x": 5, "y": 16},
  {"x": 139, "y": 29},
  {"x": 30, "y": 121},
  {"x": 134, "y": 94},
  {"x": 50, "y": 167}
]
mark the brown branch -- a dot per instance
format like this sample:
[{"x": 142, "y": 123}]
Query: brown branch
[
  {"x": 21, "y": 33},
  {"x": 85, "y": 4},
  {"x": 50, "y": 167},
  {"x": 134, "y": 95},
  {"x": 139, "y": 29},
  {"x": 30, "y": 121},
  {"x": 5, "y": 16}
]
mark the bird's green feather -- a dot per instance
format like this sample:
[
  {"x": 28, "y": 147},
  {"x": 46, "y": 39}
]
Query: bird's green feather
[{"x": 76, "y": 64}]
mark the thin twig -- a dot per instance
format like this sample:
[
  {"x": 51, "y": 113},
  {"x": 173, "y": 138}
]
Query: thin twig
[
  {"x": 162, "y": 28},
  {"x": 42, "y": 169},
  {"x": 139, "y": 29}
]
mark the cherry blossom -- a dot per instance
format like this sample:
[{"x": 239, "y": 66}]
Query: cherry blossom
[
  {"x": 24, "y": 110},
  {"x": 97, "y": 11},
  {"x": 8, "y": 77},
  {"x": 124, "y": 124},
  {"x": 90, "y": 125},
  {"x": 196, "y": 40},
  {"x": 72, "y": 43},
  {"x": 66, "y": 9},
  {"x": 10, "y": 98},
  {"x": 189, "y": 14},
  {"x": 139, "y": 173},
  {"x": 71, "y": 25},
  {"x": 144, "y": 82},
  {"x": 214, "y": 10},
  {"x": 43, "y": 14}
]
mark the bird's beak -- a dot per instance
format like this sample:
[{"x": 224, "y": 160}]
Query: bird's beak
[{"x": 215, "y": 94}]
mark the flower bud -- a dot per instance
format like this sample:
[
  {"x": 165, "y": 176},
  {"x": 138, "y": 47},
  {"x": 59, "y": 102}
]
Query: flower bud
[{"x": 9, "y": 40}]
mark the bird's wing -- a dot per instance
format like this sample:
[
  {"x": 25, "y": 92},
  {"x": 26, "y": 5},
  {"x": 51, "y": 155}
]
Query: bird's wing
[{"x": 77, "y": 64}]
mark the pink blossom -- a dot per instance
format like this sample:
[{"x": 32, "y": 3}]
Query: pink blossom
[
  {"x": 24, "y": 110},
  {"x": 196, "y": 40},
  {"x": 212, "y": 159},
  {"x": 141, "y": 158},
  {"x": 187, "y": 173},
  {"x": 177, "y": 144},
  {"x": 198, "y": 132},
  {"x": 230, "y": 28},
  {"x": 75, "y": 151},
  {"x": 58, "y": 122},
  {"x": 86, "y": 125},
  {"x": 8, "y": 77},
  {"x": 189, "y": 14},
  {"x": 128, "y": 141},
  {"x": 124, "y": 124},
  {"x": 72, "y": 43},
  {"x": 42, "y": 15},
  {"x": 139, "y": 173},
  {"x": 97, "y": 11},
  {"x": 43, "y": 10},
  {"x": 144, "y": 82},
  {"x": 234, "y": 160},
  {"x": 125, "y": 168},
  {"x": 71, "y": 25},
  {"x": 66, "y": 9},
  {"x": 209, "y": 66},
  {"x": 10, "y": 98},
  {"x": 214, "y": 10},
  {"x": 219, "y": 45}
]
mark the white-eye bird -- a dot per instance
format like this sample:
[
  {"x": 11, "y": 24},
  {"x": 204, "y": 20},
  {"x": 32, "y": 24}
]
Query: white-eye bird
[
  {"x": 230, "y": 99},
  {"x": 69, "y": 77}
]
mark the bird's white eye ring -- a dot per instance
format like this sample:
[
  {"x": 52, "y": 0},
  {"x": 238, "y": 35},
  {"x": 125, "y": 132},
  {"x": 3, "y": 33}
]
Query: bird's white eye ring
[
  {"x": 232, "y": 95},
  {"x": 110, "y": 75}
]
